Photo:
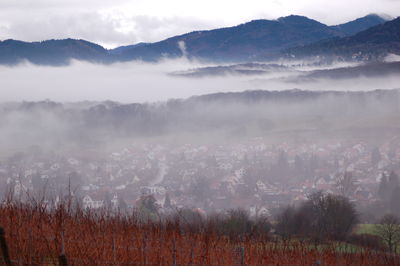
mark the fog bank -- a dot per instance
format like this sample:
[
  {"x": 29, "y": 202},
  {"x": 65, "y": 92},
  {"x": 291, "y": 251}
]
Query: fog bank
[{"x": 151, "y": 82}]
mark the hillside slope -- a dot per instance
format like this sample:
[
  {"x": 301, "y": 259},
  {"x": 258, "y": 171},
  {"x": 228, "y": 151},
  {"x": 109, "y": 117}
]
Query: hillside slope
[{"x": 372, "y": 44}]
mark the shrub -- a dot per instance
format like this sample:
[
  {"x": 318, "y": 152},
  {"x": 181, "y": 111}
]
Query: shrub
[{"x": 367, "y": 241}]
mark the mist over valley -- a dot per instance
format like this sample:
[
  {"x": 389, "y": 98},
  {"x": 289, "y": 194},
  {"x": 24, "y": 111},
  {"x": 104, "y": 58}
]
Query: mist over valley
[{"x": 250, "y": 144}]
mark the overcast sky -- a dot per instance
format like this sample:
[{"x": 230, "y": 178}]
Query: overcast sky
[{"x": 120, "y": 22}]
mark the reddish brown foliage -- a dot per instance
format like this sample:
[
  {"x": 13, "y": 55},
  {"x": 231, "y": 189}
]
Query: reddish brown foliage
[{"x": 35, "y": 237}]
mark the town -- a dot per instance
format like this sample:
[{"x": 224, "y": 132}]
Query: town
[{"x": 256, "y": 175}]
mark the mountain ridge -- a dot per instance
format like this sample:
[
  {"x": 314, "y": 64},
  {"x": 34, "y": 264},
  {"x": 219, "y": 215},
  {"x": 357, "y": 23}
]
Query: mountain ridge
[
  {"x": 255, "y": 40},
  {"x": 361, "y": 24},
  {"x": 372, "y": 44}
]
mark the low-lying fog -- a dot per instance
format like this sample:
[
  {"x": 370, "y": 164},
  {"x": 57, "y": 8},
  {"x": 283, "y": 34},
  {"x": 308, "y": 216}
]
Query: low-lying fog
[
  {"x": 151, "y": 82},
  {"x": 215, "y": 151}
]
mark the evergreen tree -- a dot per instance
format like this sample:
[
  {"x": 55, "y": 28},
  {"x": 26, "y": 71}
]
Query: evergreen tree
[
  {"x": 283, "y": 162},
  {"x": 383, "y": 190},
  {"x": 148, "y": 208},
  {"x": 375, "y": 156},
  {"x": 107, "y": 200},
  {"x": 393, "y": 180},
  {"x": 336, "y": 163},
  {"x": 167, "y": 201},
  {"x": 245, "y": 161},
  {"x": 298, "y": 164},
  {"x": 122, "y": 204},
  {"x": 314, "y": 162},
  {"x": 149, "y": 203},
  {"x": 395, "y": 201},
  {"x": 212, "y": 162}
]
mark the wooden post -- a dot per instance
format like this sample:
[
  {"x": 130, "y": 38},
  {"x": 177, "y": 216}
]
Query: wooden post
[
  {"x": 241, "y": 253},
  {"x": 4, "y": 247},
  {"x": 113, "y": 249},
  {"x": 62, "y": 259},
  {"x": 145, "y": 249},
  {"x": 30, "y": 247},
  {"x": 173, "y": 252},
  {"x": 192, "y": 255}
]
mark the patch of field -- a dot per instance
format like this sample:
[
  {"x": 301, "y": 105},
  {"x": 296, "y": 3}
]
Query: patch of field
[{"x": 366, "y": 229}]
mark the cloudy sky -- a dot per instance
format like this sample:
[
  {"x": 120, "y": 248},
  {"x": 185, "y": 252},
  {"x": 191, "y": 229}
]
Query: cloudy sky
[{"x": 121, "y": 22}]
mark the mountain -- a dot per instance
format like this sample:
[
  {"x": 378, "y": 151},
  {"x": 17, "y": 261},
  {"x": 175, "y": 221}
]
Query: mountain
[
  {"x": 360, "y": 24},
  {"x": 121, "y": 49},
  {"x": 255, "y": 40},
  {"x": 370, "y": 45},
  {"x": 51, "y": 52}
]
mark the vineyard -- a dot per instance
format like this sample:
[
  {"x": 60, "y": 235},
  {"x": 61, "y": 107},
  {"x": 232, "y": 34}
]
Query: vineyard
[{"x": 35, "y": 235}]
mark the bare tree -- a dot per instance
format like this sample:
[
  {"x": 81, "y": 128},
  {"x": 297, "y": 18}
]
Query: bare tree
[
  {"x": 389, "y": 230},
  {"x": 285, "y": 226},
  {"x": 322, "y": 216},
  {"x": 332, "y": 216}
]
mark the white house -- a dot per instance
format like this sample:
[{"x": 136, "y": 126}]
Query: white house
[{"x": 89, "y": 203}]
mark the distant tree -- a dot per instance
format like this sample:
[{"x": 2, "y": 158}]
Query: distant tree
[
  {"x": 122, "y": 204},
  {"x": 285, "y": 223},
  {"x": 148, "y": 208},
  {"x": 336, "y": 163},
  {"x": 149, "y": 203},
  {"x": 200, "y": 188},
  {"x": 261, "y": 227},
  {"x": 245, "y": 161},
  {"x": 237, "y": 223},
  {"x": 321, "y": 216},
  {"x": 337, "y": 216},
  {"x": 167, "y": 201},
  {"x": 384, "y": 189},
  {"x": 37, "y": 182},
  {"x": 212, "y": 161},
  {"x": 375, "y": 156},
  {"x": 107, "y": 200},
  {"x": 389, "y": 230},
  {"x": 395, "y": 201},
  {"x": 299, "y": 166},
  {"x": 189, "y": 220},
  {"x": 345, "y": 184},
  {"x": 75, "y": 180},
  {"x": 314, "y": 162},
  {"x": 281, "y": 169},
  {"x": 283, "y": 161},
  {"x": 182, "y": 158},
  {"x": 393, "y": 180},
  {"x": 392, "y": 152},
  {"x": 298, "y": 163},
  {"x": 244, "y": 190}
]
